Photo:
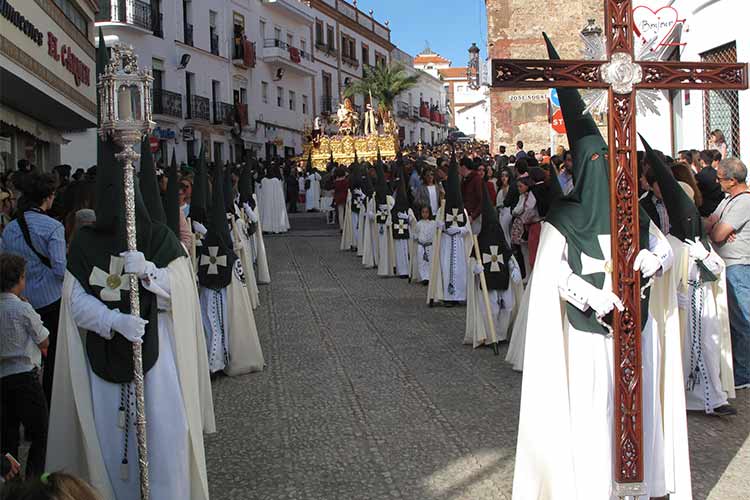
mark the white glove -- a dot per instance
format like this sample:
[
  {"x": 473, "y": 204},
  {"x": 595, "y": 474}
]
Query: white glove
[
  {"x": 647, "y": 263},
  {"x": 359, "y": 192},
  {"x": 478, "y": 268},
  {"x": 199, "y": 228},
  {"x": 453, "y": 230},
  {"x": 136, "y": 263},
  {"x": 129, "y": 326},
  {"x": 696, "y": 250},
  {"x": 249, "y": 213},
  {"x": 441, "y": 225},
  {"x": 515, "y": 272},
  {"x": 683, "y": 302},
  {"x": 603, "y": 302}
]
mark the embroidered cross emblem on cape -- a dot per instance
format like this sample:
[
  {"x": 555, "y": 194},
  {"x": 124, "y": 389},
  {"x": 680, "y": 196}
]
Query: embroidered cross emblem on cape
[
  {"x": 401, "y": 226},
  {"x": 213, "y": 260},
  {"x": 454, "y": 217},
  {"x": 590, "y": 265},
  {"x": 113, "y": 282},
  {"x": 493, "y": 259}
]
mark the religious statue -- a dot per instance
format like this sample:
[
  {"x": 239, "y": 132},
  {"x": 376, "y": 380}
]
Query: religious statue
[
  {"x": 347, "y": 118},
  {"x": 370, "y": 122},
  {"x": 390, "y": 127}
]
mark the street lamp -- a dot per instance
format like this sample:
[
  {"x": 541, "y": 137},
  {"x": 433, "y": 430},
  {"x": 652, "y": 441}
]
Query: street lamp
[
  {"x": 593, "y": 41},
  {"x": 472, "y": 68},
  {"x": 125, "y": 117}
]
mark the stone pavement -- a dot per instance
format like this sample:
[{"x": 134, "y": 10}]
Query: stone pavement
[{"x": 369, "y": 394}]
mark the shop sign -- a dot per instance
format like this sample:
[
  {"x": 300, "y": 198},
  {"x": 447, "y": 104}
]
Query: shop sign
[
  {"x": 61, "y": 53},
  {"x": 164, "y": 134}
]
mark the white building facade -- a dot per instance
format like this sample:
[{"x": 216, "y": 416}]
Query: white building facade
[
  {"x": 347, "y": 43},
  {"x": 421, "y": 111}
]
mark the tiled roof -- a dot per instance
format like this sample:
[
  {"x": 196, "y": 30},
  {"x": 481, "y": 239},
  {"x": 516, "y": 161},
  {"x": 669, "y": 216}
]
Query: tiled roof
[
  {"x": 430, "y": 58},
  {"x": 453, "y": 73}
]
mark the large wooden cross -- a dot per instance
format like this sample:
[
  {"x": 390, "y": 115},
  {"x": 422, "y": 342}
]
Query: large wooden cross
[{"x": 621, "y": 76}]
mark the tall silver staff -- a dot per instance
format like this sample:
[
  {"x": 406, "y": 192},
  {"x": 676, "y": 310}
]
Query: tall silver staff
[{"x": 125, "y": 116}]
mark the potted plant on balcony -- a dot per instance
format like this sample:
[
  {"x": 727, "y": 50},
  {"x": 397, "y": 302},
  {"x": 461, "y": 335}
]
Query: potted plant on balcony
[{"x": 384, "y": 83}]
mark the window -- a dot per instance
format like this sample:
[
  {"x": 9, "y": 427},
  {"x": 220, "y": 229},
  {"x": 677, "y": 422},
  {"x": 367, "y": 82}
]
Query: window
[
  {"x": 74, "y": 15},
  {"x": 319, "y": 32},
  {"x": 304, "y": 104},
  {"x": 279, "y": 96},
  {"x": 365, "y": 54},
  {"x": 379, "y": 59},
  {"x": 277, "y": 34},
  {"x": 262, "y": 27},
  {"x": 213, "y": 33},
  {"x": 290, "y": 40},
  {"x": 157, "y": 71},
  {"x": 292, "y": 100},
  {"x": 264, "y": 92},
  {"x": 303, "y": 45},
  {"x": 330, "y": 36}
]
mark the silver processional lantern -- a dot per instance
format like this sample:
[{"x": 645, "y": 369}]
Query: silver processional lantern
[
  {"x": 125, "y": 117},
  {"x": 472, "y": 68}
]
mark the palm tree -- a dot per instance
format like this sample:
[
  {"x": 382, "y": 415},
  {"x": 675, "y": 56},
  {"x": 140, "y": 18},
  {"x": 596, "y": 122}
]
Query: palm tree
[{"x": 384, "y": 83}]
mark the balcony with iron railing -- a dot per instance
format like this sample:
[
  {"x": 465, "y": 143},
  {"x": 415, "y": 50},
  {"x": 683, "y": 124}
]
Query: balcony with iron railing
[
  {"x": 167, "y": 103},
  {"x": 415, "y": 112},
  {"x": 188, "y": 30},
  {"x": 243, "y": 52},
  {"x": 328, "y": 104},
  {"x": 198, "y": 108},
  {"x": 328, "y": 50},
  {"x": 133, "y": 13},
  {"x": 403, "y": 109},
  {"x": 351, "y": 61},
  {"x": 223, "y": 113},
  {"x": 279, "y": 52}
]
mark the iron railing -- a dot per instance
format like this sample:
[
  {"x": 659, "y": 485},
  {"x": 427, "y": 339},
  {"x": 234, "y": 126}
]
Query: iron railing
[
  {"x": 223, "y": 113},
  {"x": 199, "y": 108},
  {"x": 327, "y": 104},
  {"x": 351, "y": 61},
  {"x": 415, "y": 112},
  {"x": 403, "y": 109},
  {"x": 139, "y": 14},
  {"x": 721, "y": 107},
  {"x": 168, "y": 103},
  {"x": 273, "y": 42}
]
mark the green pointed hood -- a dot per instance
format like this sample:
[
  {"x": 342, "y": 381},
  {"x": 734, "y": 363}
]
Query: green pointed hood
[
  {"x": 199, "y": 200},
  {"x": 492, "y": 243},
  {"x": 454, "y": 201},
  {"x": 381, "y": 188},
  {"x": 245, "y": 184},
  {"x": 583, "y": 216},
  {"x": 216, "y": 254},
  {"x": 172, "y": 198},
  {"x": 309, "y": 165},
  {"x": 149, "y": 184},
  {"x": 228, "y": 190}
]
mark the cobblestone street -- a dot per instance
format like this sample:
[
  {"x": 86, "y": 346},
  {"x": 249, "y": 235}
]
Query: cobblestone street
[{"x": 369, "y": 394}]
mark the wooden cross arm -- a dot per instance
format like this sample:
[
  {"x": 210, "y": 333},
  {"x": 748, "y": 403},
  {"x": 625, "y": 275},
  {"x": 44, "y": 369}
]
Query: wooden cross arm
[
  {"x": 538, "y": 74},
  {"x": 693, "y": 75}
]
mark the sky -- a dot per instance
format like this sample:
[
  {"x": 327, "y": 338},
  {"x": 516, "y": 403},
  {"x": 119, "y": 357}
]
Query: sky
[{"x": 449, "y": 26}]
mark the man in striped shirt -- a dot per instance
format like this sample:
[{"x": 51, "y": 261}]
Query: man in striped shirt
[{"x": 40, "y": 239}]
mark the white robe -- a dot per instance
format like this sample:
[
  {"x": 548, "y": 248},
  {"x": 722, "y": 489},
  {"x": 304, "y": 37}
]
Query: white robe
[
  {"x": 424, "y": 233},
  {"x": 243, "y": 247},
  {"x": 312, "y": 195},
  {"x": 84, "y": 437},
  {"x": 440, "y": 272},
  {"x": 386, "y": 253},
  {"x": 259, "y": 246},
  {"x": 229, "y": 324},
  {"x": 370, "y": 243},
  {"x": 517, "y": 344},
  {"x": 564, "y": 448},
  {"x": 501, "y": 303},
  {"x": 715, "y": 381},
  {"x": 273, "y": 215},
  {"x": 347, "y": 232}
]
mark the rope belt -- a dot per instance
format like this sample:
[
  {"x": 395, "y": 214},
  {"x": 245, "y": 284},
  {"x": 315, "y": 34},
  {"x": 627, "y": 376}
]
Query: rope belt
[{"x": 697, "y": 373}]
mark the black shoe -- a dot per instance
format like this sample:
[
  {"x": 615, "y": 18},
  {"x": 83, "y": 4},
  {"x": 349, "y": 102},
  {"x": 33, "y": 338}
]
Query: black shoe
[
  {"x": 404, "y": 277},
  {"x": 425, "y": 283},
  {"x": 725, "y": 410},
  {"x": 449, "y": 303}
]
